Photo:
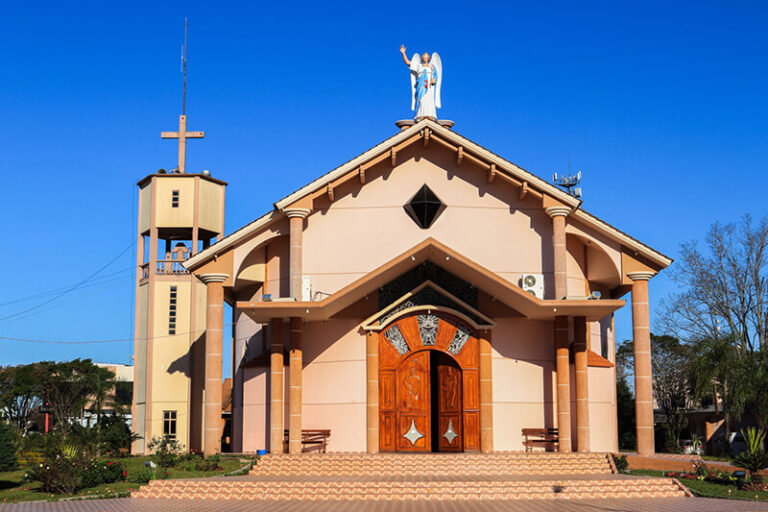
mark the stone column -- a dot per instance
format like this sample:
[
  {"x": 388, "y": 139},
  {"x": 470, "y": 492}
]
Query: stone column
[
  {"x": 558, "y": 214},
  {"x": 643, "y": 375},
  {"x": 276, "y": 407},
  {"x": 486, "y": 393},
  {"x": 296, "y": 218},
  {"x": 214, "y": 321},
  {"x": 582, "y": 390},
  {"x": 563, "y": 363},
  {"x": 372, "y": 396},
  {"x": 295, "y": 401}
]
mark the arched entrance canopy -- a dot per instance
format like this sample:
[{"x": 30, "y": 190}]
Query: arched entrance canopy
[{"x": 432, "y": 250}]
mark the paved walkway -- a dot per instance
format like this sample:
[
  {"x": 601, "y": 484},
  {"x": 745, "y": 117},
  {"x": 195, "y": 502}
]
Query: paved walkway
[{"x": 157, "y": 505}]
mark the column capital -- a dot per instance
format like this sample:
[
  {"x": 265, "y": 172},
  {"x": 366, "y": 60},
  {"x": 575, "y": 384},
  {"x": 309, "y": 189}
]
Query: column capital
[
  {"x": 558, "y": 211},
  {"x": 641, "y": 276},
  {"x": 296, "y": 212},
  {"x": 213, "y": 278}
]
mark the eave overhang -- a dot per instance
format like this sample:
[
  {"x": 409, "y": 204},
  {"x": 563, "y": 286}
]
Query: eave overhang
[
  {"x": 428, "y": 130},
  {"x": 431, "y": 250}
]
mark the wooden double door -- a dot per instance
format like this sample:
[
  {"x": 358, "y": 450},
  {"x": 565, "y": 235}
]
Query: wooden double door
[{"x": 428, "y": 395}]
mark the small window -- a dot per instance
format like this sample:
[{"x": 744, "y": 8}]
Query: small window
[
  {"x": 169, "y": 424},
  {"x": 175, "y": 199},
  {"x": 172, "y": 312}
]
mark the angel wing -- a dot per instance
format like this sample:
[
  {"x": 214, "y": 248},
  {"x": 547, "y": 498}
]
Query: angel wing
[
  {"x": 414, "y": 76},
  {"x": 439, "y": 68}
]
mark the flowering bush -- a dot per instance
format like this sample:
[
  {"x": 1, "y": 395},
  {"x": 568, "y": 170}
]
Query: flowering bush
[
  {"x": 60, "y": 473},
  {"x": 66, "y": 470},
  {"x": 166, "y": 451},
  {"x": 705, "y": 473},
  {"x": 197, "y": 463},
  {"x": 97, "y": 473}
]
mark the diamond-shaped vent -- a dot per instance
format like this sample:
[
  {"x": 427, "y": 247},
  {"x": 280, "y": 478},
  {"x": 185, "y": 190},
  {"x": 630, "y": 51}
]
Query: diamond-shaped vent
[{"x": 424, "y": 207}]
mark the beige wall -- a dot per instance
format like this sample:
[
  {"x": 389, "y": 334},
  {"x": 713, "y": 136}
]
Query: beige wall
[
  {"x": 170, "y": 385},
  {"x": 210, "y": 205},
  {"x": 140, "y": 362},
  {"x": 333, "y": 386},
  {"x": 478, "y": 222},
  {"x": 167, "y": 216},
  {"x": 523, "y": 380},
  {"x": 145, "y": 194}
]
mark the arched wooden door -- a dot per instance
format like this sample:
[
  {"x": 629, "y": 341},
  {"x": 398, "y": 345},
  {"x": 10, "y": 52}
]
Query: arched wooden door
[{"x": 429, "y": 390}]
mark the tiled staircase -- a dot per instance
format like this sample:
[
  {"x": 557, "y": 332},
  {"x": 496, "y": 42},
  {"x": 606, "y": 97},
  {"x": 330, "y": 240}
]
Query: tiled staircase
[
  {"x": 422, "y": 477},
  {"x": 435, "y": 464}
]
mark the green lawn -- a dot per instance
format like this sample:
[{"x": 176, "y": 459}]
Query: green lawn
[
  {"x": 710, "y": 489},
  {"x": 13, "y": 489}
]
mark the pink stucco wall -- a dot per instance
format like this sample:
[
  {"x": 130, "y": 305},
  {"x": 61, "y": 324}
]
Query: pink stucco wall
[{"x": 366, "y": 227}]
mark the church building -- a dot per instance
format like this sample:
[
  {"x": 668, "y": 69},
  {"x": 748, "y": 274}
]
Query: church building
[{"x": 427, "y": 295}]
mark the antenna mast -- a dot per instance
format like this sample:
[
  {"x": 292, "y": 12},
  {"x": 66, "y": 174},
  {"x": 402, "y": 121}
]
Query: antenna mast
[
  {"x": 184, "y": 70},
  {"x": 569, "y": 182}
]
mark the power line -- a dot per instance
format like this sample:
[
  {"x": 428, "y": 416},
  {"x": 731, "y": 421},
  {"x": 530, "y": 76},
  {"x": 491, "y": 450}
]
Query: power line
[
  {"x": 72, "y": 288},
  {"x": 116, "y": 340},
  {"x": 96, "y": 282}
]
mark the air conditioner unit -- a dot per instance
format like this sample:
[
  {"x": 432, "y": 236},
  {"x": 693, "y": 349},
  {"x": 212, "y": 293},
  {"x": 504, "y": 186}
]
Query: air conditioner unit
[{"x": 533, "y": 284}]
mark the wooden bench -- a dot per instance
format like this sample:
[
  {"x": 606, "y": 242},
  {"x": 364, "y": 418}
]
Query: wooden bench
[
  {"x": 540, "y": 437},
  {"x": 311, "y": 437}
]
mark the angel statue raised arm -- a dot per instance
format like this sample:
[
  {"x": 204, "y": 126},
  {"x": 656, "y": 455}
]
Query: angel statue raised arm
[{"x": 426, "y": 79}]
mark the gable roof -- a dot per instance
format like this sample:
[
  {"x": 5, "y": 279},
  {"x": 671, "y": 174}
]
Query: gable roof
[
  {"x": 450, "y": 260},
  {"x": 427, "y": 130}
]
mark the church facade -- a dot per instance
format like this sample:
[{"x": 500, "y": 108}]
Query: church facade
[{"x": 427, "y": 295}]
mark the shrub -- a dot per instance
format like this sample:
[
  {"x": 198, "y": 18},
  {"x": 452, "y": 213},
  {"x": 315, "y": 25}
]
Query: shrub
[
  {"x": 144, "y": 476},
  {"x": 754, "y": 459},
  {"x": 621, "y": 463},
  {"x": 97, "y": 473},
  {"x": 9, "y": 447},
  {"x": 194, "y": 462},
  {"x": 114, "y": 435},
  {"x": 166, "y": 451},
  {"x": 61, "y": 472}
]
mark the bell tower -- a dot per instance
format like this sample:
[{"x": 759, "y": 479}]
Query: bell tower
[{"x": 180, "y": 214}]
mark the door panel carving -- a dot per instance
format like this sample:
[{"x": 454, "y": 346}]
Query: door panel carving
[
  {"x": 448, "y": 404},
  {"x": 429, "y": 398},
  {"x": 413, "y": 403}
]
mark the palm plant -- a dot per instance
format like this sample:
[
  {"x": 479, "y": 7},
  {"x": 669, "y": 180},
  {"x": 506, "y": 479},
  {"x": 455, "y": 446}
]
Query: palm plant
[{"x": 753, "y": 459}]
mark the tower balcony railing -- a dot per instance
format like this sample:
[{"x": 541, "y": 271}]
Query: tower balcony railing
[{"x": 164, "y": 268}]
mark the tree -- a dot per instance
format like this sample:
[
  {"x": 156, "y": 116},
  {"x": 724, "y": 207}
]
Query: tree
[
  {"x": 671, "y": 368},
  {"x": 625, "y": 400},
  {"x": 724, "y": 293},
  {"x": 67, "y": 387},
  {"x": 20, "y": 394},
  {"x": 671, "y": 362},
  {"x": 8, "y": 448},
  {"x": 103, "y": 391}
]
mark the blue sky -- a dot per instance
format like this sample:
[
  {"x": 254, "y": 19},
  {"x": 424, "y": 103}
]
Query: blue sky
[{"x": 661, "y": 105}]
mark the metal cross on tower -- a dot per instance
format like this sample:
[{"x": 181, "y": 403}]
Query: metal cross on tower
[{"x": 183, "y": 134}]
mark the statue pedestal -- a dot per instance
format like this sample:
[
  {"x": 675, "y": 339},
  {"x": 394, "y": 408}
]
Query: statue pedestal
[{"x": 404, "y": 124}]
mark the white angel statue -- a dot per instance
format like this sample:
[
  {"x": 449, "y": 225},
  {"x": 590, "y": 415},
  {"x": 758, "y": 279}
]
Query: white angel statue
[{"x": 426, "y": 79}]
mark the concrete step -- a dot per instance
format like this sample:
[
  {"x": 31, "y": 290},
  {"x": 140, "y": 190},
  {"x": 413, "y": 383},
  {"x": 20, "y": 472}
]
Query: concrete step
[
  {"x": 413, "y": 490},
  {"x": 434, "y": 464}
]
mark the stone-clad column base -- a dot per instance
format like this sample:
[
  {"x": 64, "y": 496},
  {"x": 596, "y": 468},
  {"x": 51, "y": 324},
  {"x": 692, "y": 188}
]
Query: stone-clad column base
[
  {"x": 372, "y": 392},
  {"x": 214, "y": 321},
  {"x": 581, "y": 367},
  {"x": 276, "y": 382},
  {"x": 486, "y": 393},
  {"x": 643, "y": 374},
  {"x": 295, "y": 402},
  {"x": 563, "y": 383}
]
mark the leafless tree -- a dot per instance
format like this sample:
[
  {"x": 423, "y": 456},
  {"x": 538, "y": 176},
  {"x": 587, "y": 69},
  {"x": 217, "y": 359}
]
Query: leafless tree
[{"x": 723, "y": 293}]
